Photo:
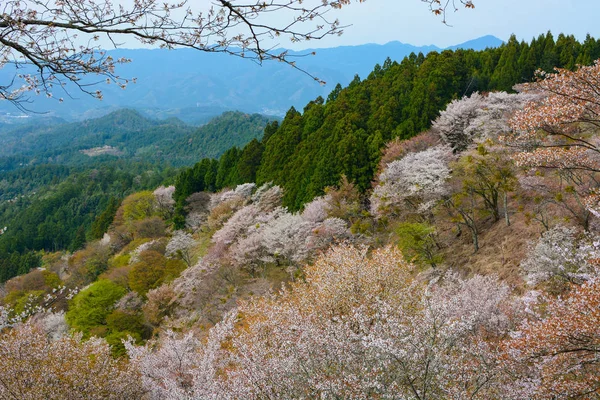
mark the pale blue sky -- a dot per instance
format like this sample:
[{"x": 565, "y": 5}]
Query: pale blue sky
[{"x": 409, "y": 21}]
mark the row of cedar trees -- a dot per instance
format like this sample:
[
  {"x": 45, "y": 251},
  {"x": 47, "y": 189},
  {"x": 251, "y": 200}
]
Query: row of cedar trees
[{"x": 309, "y": 151}]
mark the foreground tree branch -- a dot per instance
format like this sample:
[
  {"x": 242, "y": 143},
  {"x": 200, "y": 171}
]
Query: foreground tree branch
[{"x": 50, "y": 43}]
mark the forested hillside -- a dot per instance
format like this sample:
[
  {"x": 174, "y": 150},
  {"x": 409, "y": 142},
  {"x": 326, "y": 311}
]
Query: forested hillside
[
  {"x": 57, "y": 180},
  {"x": 344, "y": 134},
  {"x": 130, "y": 135},
  {"x": 429, "y": 232}
]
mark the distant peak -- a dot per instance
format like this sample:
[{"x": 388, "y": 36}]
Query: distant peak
[{"x": 481, "y": 43}]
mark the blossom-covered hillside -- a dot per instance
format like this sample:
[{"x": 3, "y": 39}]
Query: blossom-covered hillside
[{"x": 469, "y": 269}]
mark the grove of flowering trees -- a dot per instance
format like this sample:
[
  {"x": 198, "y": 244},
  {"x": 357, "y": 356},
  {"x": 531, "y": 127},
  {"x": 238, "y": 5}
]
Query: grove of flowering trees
[
  {"x": 360, "y": 326},
  {"x": 35, "y": 366},
  {"x": 358, "y": 294},
  {"x": 264, "y": 232}
]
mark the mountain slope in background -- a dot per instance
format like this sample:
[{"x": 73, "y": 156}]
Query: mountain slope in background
[
  {"x": 127, "y": 133},
  {"x": 194, "y": 86}
]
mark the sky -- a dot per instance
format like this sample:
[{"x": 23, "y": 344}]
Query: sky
[{"x": 410, "y": 21}]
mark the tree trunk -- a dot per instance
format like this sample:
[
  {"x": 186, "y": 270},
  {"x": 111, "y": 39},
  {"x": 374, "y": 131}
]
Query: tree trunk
[
  {"x": 505, "y": 201},
  {"x": 475, "y": 235}
]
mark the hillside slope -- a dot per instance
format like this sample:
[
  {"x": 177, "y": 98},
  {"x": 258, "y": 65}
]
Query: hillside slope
[{"x": 127, "y": 133}]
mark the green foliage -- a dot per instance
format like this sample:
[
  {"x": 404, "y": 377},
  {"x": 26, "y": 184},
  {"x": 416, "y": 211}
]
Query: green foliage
[
  {"x": 153, "y": 227},
  {"x": 227, "y": 171},
  {"x": 152, "y": 270},
  {"x": 51, "y": 280},
  {"x": 61, "y": 215},
  {"x": 90, "y": 307},
  {"x": 121, "y": 325},
  {"x": 249, "y": 161},
  {"x": 14, "y": 264},
  {"x": 231, "y": 129},
  {"x": 115, "y": 340},
  {"x": 125, "y": 322},
  {"x": 102, "y": 222},
  {"x": 138, "y": 206},
  {"x": 417, "y": 243},
  {"x": 130, "y": 136},
  {"x": 79, "y": 240}
]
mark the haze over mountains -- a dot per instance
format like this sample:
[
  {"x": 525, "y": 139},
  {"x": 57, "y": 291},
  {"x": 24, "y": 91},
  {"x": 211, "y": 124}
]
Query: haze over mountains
[{"x": 196, "y": 86}]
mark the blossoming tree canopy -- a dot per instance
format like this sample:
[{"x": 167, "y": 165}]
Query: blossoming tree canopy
[
  {"x": 559, "y": 132},
  {"x": 556, "y": 131}
]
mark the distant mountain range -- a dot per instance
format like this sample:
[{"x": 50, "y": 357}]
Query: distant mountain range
[{"x": 194, "y": 86}]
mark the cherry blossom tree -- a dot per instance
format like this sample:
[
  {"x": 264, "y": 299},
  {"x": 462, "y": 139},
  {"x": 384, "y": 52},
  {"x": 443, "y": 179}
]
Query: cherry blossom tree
[
  {"x": 412, "y": 184},
  {"x": 183, "y": 367},
  {"x": 180, "y": 246},
  {"x": 561, "y": 192},
  {"x": 452, "y": 123},
  {"x": 398, "y": 148},
  {"x": 557, "y": 128},
  {"x": 165, "y": 203},
  {"x": 562, "y": 255},
  {"x": 556, "y": 357},
  {"x": 35, "y": 366},
  {"x": 558, "y": 131},
  {"x": 479, "y": 117},
  {"x": 198, "y": 208}
]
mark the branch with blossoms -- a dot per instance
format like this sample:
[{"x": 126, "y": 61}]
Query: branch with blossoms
[
  {"x": 60, "y": 39},
  {"x": 558, "y": 131},
  {"x": 559, "y": 354}
]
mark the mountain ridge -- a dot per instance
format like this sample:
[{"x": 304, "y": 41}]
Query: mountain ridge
[
  {"x": 132, "y": 135},
  {"x": 190, "y": 85}
]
